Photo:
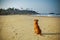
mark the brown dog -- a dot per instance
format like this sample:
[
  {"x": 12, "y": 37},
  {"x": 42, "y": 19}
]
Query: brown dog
[{"x": 36, "y": 27}]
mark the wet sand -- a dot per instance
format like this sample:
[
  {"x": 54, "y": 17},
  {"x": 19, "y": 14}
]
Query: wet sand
[{"x": 20, "y": 27}]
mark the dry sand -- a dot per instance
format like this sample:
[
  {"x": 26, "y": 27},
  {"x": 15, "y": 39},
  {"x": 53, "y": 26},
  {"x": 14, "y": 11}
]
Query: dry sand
[{"x": 20, "y": 27}]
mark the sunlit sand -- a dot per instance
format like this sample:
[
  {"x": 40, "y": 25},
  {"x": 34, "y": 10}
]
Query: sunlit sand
[{"x": 20, "y": 27}]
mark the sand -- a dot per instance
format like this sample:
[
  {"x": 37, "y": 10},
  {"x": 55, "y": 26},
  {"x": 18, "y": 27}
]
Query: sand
[{"x": 20, "y": 27}]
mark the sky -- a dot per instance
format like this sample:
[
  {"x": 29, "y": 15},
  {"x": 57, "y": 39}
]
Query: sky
[{"x": 41, "y": 6}]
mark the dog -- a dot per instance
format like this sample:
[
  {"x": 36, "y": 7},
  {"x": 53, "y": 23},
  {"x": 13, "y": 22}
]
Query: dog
[{"x": 37, "y": 29}]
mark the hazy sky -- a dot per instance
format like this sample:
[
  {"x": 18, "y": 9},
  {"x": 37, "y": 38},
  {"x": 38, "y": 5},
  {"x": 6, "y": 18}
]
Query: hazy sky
[{"x": 42, "y": 6}]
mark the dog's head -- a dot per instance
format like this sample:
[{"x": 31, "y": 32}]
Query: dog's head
[{"x": 35, "y": 21}]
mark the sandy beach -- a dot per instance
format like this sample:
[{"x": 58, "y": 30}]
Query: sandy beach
[{"x": 20, "y": 27}]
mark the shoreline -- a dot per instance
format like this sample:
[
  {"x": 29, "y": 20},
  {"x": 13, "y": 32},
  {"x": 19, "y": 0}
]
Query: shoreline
[{"x": 35, "y": 15}]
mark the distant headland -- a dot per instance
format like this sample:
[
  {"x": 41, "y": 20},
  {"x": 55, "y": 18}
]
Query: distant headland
[{"x": 14, "y": 11}]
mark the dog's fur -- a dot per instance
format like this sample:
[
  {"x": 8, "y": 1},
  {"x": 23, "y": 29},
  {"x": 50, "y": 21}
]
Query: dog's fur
[{"x": 36, "y": 27}]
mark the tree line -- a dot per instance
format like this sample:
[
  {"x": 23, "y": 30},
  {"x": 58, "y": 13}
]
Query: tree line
[{"x": 13, "y": 11}]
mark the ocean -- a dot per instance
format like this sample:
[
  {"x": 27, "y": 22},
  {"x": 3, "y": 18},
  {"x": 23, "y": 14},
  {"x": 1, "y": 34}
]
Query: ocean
[{"x": 48, "y": 14}]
